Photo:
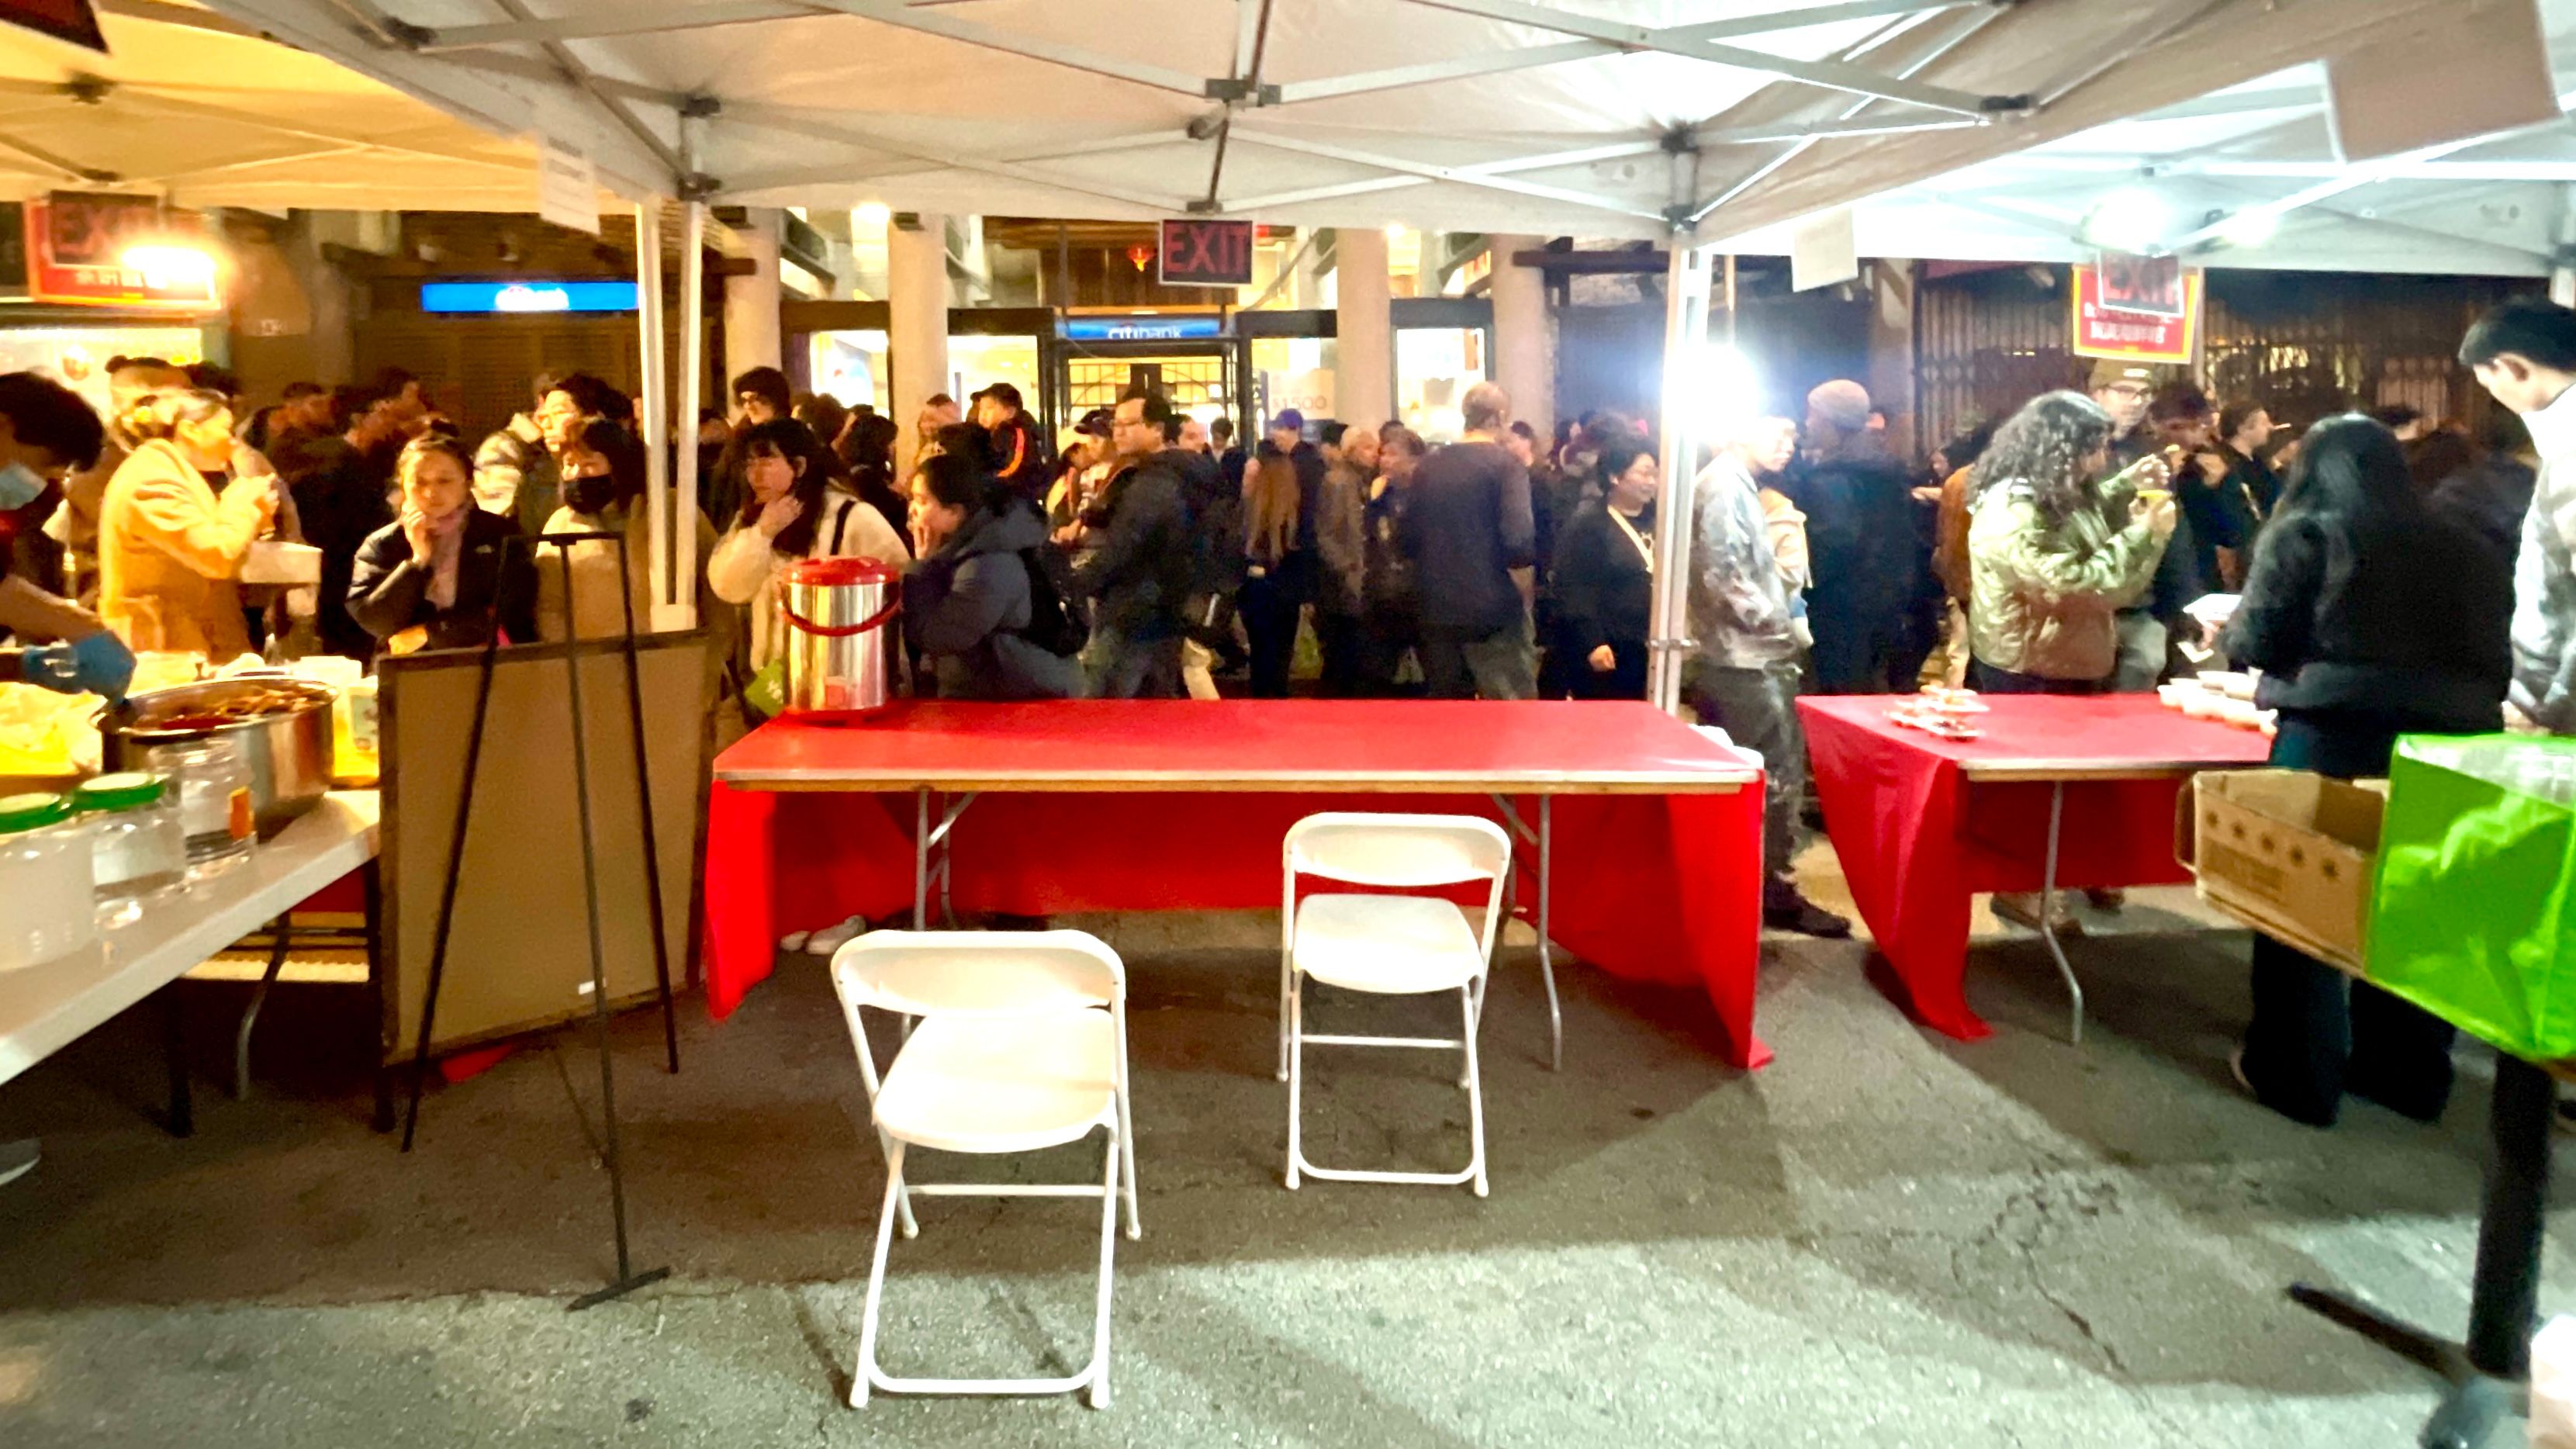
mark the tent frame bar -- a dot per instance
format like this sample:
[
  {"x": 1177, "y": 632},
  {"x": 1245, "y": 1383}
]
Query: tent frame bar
[{"x": 1829, "y": 74}]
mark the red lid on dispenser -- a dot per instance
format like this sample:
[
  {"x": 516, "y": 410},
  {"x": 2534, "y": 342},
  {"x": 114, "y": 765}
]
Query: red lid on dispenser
[{"x": 830, "y": 572}]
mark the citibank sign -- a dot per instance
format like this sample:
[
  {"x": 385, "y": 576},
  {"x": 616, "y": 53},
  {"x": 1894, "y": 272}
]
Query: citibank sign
[{"x": 506, "y": 298}]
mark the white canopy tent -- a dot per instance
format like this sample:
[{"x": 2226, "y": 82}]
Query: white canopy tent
[
  {"x": 199, "y": 111},
  {"x": 1689, "y": 120},
  {"x": 2248, "y": 177}
]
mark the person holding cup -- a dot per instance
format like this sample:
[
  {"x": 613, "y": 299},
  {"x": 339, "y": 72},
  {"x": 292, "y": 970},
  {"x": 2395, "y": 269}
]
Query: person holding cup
[{"x": 2053, "y": 553}]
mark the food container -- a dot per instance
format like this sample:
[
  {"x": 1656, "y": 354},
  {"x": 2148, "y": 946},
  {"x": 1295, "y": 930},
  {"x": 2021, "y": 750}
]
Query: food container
[
  {"x": 45, "y": 878},
  {"x": 283, "y": 725},
  {"x": 840, "y": 646},
  {"x": 212, "y": 776},
  {"x": 137, "y": 849},
  {"x": 274, "y": 561}
]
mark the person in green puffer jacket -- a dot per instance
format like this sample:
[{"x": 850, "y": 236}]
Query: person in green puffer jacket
[{"x": 2052, "y": 554}]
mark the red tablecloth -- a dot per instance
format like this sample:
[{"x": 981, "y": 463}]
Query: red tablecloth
[
  {"x": 1918, "y": 837},
  {"x": 1653, "y": 886}
]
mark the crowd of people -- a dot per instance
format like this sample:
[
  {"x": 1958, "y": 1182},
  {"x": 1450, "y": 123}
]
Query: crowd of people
[{"x": 2390, "y": 574}]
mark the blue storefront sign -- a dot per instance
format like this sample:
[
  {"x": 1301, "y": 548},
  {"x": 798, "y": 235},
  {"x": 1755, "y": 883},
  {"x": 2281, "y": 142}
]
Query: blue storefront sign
[
  {"x": 502, "y": 298},
  {"x": 1145, "y": 327}
]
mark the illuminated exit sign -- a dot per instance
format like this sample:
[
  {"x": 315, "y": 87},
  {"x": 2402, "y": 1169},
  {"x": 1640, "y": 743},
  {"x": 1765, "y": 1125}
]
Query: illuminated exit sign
[{"x": 1204, "y": 253}]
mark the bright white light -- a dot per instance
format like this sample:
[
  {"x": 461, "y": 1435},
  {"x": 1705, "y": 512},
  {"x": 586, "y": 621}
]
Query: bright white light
[
  {"x": 2131, "y": 219},
  {"x": 2249, "y": 228},
  {"x": 165, "y": 265},
  {"x": 1394, "y": 231},
  {"x": 873, "y": 213},
  {"x": 1723, "y": 383}
]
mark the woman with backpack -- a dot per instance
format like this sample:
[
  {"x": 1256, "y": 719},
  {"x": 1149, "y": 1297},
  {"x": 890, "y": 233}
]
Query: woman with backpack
[{"x": 977, "y": 600}]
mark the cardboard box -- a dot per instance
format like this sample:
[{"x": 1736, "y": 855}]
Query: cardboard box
[{"x": 2287, "y": 852}]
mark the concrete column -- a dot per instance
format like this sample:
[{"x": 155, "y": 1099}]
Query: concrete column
[
  {"x": 1521, "y": 349},
  {"x": 917, "y": 326},
  {"x": 751, "y": 303},
  {"x": 1891, "y": 353},
  {"x": 1364, "y": 352}
]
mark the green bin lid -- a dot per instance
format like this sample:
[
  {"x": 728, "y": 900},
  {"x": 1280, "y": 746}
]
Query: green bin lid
[
  {"x": 28, "y": 812},
  {"x": 122, "y": 791}
]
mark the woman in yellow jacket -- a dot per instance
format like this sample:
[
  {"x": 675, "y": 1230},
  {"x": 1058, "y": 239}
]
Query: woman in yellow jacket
[{"x": 174, "y": 527}]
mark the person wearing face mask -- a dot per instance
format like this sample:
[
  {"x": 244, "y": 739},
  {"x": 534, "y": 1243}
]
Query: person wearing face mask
[
  {"x": 170, "y": 543},
  {"x": 439, "y": 576},
  {"x": 790, "y": 512},
  {"x": 603, "y": 492},
  {"x": 46, "y": 429}
]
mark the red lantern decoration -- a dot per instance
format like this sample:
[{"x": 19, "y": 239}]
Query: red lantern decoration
[{"x": 1140, "y": 256}]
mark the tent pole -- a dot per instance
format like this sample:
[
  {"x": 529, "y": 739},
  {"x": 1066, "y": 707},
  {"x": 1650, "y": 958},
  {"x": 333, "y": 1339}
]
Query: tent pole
[
  {"x": 1685, "y": 341},
  {"x": 2562, "y": 277},
  {"x": 693, "y": 367},
  {"x": 653, "y": 425}
]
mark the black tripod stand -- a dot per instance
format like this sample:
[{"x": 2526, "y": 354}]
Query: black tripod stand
[{"x": 627, "y": 1279}]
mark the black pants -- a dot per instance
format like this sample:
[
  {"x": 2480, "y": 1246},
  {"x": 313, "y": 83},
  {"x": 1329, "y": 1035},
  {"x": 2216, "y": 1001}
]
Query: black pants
[
  {"x": 1390, "y": 631},
  {"x": 2315, "y": 1034},
  {"x": 1757, "y": 709},
  {"x": 1984, "y": 678},
  {"x": 1339, "y": 638},
  {"x": 1268, "y": 607}
]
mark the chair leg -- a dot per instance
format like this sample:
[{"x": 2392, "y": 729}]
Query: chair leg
[
  {"x": 867, "y": 1368},
  {"x": 1475, "y": 1089},
  {"x": 903, "y": 1195},
  {"x": 1285, "y": 986},
  {"x": 1127, "y": 1146},
  {"x": 1296, "y": 1072},
  {"x": 1108, "y": 1246}
]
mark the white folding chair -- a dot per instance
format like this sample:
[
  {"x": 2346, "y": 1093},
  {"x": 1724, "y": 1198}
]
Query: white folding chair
[
  {"x": 1021, "y": 1045},
  {"x": 1389, "y": 945}
]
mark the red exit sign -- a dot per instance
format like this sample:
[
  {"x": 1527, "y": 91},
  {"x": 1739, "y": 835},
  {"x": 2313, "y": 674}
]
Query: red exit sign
[{"x": 1204, "y": 253}]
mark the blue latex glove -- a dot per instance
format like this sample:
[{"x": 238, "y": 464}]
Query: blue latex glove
[{"x": 99, "y": 664}]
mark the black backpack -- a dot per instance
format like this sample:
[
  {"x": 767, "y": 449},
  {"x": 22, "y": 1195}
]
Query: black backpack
[{"x": 1052, "y": 627}]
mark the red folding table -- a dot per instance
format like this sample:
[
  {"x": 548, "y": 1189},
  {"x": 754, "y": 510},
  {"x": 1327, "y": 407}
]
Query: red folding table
[
  {"x": 1647, "y": 834},
  {"x": 1922, "y": 824}
]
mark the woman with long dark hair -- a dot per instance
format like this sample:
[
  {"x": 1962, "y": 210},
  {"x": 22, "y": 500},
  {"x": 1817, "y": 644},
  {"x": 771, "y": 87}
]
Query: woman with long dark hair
[
  {"x": 2053, "y": 554},
  {"x": 790, "y": 511},
  {"x": 1604, "y": 577},
  {"x": 603, "y": 492},
  {"x": 2370, "y": 617},
  {"x": 975, "y": 595},
  {"x": 1274, "y": 571}
]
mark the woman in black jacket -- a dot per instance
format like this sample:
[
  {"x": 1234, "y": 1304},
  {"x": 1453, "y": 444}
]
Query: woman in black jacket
[
  {"x": 1604, "y": 578},
  {"x": 972, "y": 599},
  {"x": 431, "y": 578},
  {"x": 2370, "y": 617}
]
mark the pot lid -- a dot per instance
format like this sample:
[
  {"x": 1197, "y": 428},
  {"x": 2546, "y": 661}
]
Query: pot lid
[
  {"x": 832, "y": 572},
  {"x": 122, "y": 791}
]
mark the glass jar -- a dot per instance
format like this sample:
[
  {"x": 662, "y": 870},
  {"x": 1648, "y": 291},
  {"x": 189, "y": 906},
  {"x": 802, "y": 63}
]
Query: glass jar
[
  {"x": 45, "y": 878},
  {"x": 136, "y": 847},
  {"x": 212, "y": 776}
]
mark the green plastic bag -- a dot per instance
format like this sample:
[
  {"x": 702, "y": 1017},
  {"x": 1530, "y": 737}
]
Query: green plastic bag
[{"x": 2472, "y": 917}]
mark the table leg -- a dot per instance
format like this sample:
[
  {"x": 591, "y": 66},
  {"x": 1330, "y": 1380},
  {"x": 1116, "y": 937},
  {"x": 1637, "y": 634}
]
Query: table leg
[
  {"x": 1546, "y": 952},
  {"x": 921, "y": 860},
  {"x": 2486, "y": 1373},
  {"x": 2048, "y": 914},
  {"x": 280, "y": 932},
  {"x": 182, "y": 1121},
  {"x": 372, "y": 884}
]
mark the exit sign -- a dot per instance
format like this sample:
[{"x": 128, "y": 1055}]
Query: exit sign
[{"x": 1203, "y": 253}]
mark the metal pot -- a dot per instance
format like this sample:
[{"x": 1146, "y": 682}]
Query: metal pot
[
  {"x": 840, "y": 658},
  {"x": 289, "y": 749}
]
